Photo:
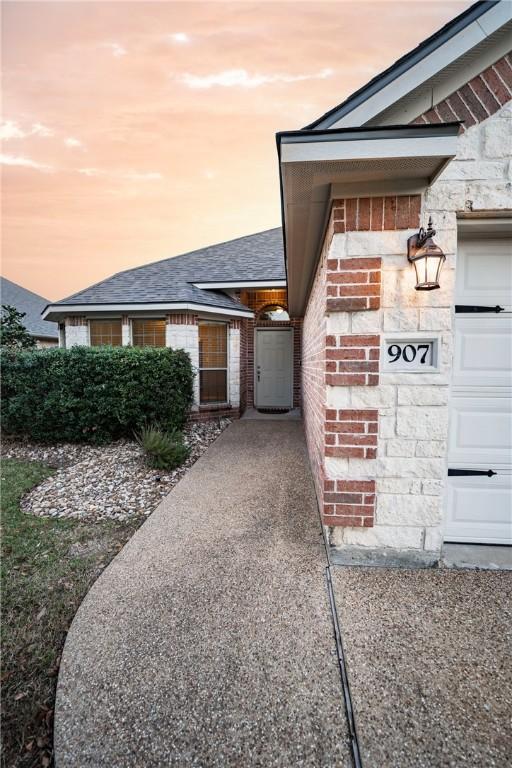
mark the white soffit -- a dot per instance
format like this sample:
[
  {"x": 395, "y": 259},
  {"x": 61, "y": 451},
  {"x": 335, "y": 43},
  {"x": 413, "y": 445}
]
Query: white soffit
[{"x": 317, "y": 165}]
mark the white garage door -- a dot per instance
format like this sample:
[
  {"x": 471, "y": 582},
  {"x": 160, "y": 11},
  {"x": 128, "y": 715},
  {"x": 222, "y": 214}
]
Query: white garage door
[{"x": 479, "y": 498}]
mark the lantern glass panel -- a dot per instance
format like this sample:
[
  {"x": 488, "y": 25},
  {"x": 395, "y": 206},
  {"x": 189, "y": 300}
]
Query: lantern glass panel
[{"x": 428, "y": 270}]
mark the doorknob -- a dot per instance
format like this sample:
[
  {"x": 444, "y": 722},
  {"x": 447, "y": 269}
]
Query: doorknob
[{"x": 258, "y": 371}]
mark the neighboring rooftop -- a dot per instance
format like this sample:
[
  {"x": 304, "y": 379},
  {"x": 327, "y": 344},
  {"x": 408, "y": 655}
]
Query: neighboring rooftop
[
  {"x": 32, "y": 305},
  {"x": 251, "y": 259}
]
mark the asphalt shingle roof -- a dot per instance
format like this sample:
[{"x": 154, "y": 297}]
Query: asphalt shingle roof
[
  {"x": 252, "y": 258},
  {"x": 30, "y": 303}
]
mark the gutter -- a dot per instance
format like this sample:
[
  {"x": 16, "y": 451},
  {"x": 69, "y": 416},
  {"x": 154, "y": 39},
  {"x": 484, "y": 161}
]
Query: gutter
[{"x": 367, "y": 133}]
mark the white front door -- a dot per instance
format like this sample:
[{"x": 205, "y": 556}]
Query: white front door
[
  {"x": 274, "y": 368},
  {"x": 479, "y": 498}
]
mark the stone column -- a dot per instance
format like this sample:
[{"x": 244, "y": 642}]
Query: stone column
[
  {"x": 234, "y": 364},
  {"x": 76, "y": 332},
  {"x": 181, "y": 332},
  {"x": 126, "y": 336}
]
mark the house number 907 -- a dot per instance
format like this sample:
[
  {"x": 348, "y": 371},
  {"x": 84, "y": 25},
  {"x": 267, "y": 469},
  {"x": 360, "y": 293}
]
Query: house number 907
[{"x": 408, "y": 353}]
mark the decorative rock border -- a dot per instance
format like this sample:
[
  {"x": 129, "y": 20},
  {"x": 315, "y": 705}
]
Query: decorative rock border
[{"x": 105, "y": 482}]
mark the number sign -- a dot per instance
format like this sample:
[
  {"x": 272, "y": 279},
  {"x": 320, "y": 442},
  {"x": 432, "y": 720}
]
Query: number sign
[{"x": 414, "y": 355}]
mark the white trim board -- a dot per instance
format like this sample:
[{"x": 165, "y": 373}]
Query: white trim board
[
  {"x": 64, "y": 309},
  {"x": 369, "y": 149},
  {"x": 244, "y": 284}
]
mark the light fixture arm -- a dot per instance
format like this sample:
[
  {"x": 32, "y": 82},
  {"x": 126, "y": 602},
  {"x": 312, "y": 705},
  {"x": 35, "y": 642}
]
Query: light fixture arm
[{"x": 417, "y": 241}]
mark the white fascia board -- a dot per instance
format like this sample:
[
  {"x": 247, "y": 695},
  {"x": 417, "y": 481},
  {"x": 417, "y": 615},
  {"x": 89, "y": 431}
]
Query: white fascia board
[
  {"x": 63, "y": 309},
  {"x": 369, "y": 149},
  {"x": 234, "y": 284},
  {"x": 429, "y": 66}
]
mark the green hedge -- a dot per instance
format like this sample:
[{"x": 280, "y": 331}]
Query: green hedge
[{"x": 94, "y": 394}]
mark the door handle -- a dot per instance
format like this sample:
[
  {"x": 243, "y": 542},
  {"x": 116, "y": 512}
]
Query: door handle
[
  {"x": 470, "y": 472},
  {"x": 258, "y": 372},
  {"x": 472, "y": 308}
]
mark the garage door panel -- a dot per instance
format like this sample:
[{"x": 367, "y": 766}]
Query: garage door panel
[
  {"x": 480, "y": 509},
  {"x": 483, "y": 351},
  {"x": 484, "y": 274},
  {"x": 480, "y": 431}
]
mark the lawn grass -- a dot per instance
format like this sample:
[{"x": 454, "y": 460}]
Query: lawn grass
[{"x": 47, "y": 568}]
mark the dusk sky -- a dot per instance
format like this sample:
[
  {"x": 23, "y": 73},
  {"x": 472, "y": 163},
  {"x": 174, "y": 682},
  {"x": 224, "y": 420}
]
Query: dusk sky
[{"x": 134, "y": 131}]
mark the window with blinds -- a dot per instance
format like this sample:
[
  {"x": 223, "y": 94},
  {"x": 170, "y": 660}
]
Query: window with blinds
[
  {"x": 105, "y": 332},
  {"x": 148, "y": 333},
  {"x": 213, "y": 363}
]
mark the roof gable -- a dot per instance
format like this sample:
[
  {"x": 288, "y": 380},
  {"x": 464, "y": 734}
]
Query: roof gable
[
  {"x": 253, "y": 258},
  {"x": 377, "y": 101}
]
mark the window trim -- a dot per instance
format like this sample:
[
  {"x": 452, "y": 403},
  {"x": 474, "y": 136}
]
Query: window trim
[{"x": 216, "y": 403}]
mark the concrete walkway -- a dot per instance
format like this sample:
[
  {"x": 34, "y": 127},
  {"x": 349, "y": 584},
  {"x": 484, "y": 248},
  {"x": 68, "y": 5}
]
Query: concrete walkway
[{"x": 208, "y": 640}]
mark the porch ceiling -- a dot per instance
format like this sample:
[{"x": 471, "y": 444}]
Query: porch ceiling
[{"x": 318, "y": 166}]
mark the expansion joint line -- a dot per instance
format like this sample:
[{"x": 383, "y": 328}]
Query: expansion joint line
[{"x": 340, "y": 653}]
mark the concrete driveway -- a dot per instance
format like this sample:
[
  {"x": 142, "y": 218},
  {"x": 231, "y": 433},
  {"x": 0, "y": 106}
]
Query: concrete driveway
[
  {"x": 208, "y": 641},
  {"x": 429, "y": 661}
]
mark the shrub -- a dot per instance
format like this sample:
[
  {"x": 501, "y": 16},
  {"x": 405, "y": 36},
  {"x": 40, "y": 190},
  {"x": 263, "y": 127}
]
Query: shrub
[
  {"x": 13, "y": 333},
  {"x": 94, "y": 394},
  {"x": 164, "y": 450}
]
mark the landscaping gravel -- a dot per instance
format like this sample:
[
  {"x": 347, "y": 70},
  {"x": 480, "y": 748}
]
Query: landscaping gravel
[
  {"x": 105, "y": 482},
  {"x": 428, "y": 655}
]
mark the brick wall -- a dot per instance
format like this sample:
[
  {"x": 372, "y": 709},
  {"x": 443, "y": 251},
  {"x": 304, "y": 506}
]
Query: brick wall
[
  {"x": 182, "y": 318},
  {"x": 313, "y": 372},
  {"x": 352, "y": 360},
  {"x": 478, "y": 99},
  {"x": 257, "y": 300}
]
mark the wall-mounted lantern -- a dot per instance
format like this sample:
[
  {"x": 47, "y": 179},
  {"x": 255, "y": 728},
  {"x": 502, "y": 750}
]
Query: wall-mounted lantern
[{"x": 427, "y": 257}]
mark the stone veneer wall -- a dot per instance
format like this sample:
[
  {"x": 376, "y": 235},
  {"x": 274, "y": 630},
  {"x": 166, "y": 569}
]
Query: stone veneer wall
[
  {"x": 76, "y": 332},
  {"x": 382, "y": 430},
  {"x": 341, "y": 358}
]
